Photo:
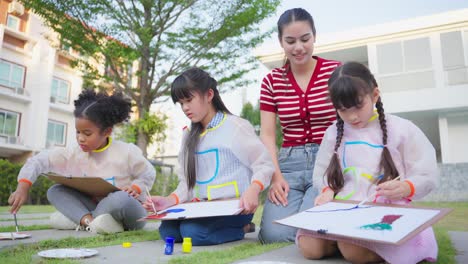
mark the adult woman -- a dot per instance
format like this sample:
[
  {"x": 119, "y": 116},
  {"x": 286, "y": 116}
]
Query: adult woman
[{"x": 297, "y": 93}]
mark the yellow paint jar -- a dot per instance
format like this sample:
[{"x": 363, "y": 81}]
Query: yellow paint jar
[{"x": 187, "y": 245}]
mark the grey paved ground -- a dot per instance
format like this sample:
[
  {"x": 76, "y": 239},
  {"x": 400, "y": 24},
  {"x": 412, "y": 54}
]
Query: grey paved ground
[
  {"x": 153, "y": 251},
  {"x": 460, "y": 241}
]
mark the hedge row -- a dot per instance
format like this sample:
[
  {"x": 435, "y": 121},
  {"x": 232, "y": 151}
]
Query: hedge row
[
  {"x": 164, "y": 184},
  {"x": 8, "y": 182}
]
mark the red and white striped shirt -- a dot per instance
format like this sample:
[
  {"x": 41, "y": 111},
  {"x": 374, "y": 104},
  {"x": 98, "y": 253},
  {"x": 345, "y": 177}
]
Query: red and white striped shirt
[{"x": 304, "y": 117}]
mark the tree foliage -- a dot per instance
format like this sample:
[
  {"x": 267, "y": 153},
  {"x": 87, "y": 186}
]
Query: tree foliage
[
  {"x": 252, "y": 114},
  {"x": 154, "y": 40}
]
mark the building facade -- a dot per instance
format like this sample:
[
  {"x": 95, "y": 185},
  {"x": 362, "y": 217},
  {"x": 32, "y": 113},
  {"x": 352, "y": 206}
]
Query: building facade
[
  {"x": 37, "y": 85},
  {"x": 421, "y": 66}
]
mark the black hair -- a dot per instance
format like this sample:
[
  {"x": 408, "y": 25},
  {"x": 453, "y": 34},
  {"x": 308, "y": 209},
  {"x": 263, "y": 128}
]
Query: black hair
[
  {"x": 198, "y": 81},
  {"x": 347, "y": 87},
  {"x": 102, "y": 109},
  {"x": 293, "y": 15}
]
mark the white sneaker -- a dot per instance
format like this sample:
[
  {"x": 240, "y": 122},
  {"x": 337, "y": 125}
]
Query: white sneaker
[
  {"x": 105, "y": 224},
  {"x": 59, "y": 221}
]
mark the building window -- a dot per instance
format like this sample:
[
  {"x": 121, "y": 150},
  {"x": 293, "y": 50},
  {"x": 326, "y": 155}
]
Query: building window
[
  {"x": 404, "y": 56},
  {"x": 453, "y": 56},
  {"x": 11, "y": 75},
  {"x": 405, "y": 65},
  {"x": 9, "y": 123},
  {"x": 59, "y": 91},
  {"x": 56, "y": 133},
  {"x": 13, "y": 22}
]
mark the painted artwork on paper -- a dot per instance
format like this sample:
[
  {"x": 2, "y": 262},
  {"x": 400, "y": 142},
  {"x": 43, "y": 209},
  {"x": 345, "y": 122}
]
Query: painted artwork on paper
[
  {"x": 197, "y": 210},
  {"x": 384, "y": 224}
]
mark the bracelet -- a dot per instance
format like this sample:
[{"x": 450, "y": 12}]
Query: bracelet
[{"x": 324, "y": 189}]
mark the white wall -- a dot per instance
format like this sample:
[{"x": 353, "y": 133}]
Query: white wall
[{"x": 458, "y": 137}]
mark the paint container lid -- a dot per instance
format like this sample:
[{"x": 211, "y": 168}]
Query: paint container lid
[
  {"x": 126, "y": 244},
  {"x": 170, "y": 239}
]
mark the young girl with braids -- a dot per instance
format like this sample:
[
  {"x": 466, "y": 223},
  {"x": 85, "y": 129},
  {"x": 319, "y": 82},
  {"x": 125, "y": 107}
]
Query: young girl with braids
[
  {"x": 359, "y": 156},
  {"x": 221, "y": 158},
  {"x": 96, "y": 155}
]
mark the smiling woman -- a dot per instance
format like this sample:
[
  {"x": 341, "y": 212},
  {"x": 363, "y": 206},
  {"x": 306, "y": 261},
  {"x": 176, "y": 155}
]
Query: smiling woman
[{"x": 297, "y": 94}]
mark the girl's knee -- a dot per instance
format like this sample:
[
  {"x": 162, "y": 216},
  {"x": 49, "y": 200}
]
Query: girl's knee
[
  {"x": 54, "y": 192},
  {"x": 268, "y": 234},
  {"x": 358, "y": 254},
  {"x": 199, "y": 236},
  {"x": 313, "y": 248}
]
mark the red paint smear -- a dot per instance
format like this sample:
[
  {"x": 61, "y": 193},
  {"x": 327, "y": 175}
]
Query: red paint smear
[
  {"x": 156, "y": 216},
  {"x": 389, "y": 219}
]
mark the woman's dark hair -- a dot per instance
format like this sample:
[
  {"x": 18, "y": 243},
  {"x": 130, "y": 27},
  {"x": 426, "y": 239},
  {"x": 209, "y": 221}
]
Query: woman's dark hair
[
  {"x": 102, "y": 109},
  {"x": 290, "y": 16},
  {"x": 194, "y": 80},
  {"x": 347, "y": 86}
]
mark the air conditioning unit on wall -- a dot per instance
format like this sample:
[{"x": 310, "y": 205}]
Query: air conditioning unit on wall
[
  {"x": 12, "y": 140},
  {"x": 16, "y": 8}
]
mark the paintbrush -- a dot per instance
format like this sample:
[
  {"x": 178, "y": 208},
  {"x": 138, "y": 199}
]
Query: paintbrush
[
  {"x": 152, "y": 203},
  {"x": 16, "y": 223},
  {"x": 372, "y": 195}
]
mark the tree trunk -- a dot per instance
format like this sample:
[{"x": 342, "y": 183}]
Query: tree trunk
[{"x": 142, "y": 143}]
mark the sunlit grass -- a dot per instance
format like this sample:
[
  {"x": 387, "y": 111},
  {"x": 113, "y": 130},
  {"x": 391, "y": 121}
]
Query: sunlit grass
[{"x": 454, "y": 221}]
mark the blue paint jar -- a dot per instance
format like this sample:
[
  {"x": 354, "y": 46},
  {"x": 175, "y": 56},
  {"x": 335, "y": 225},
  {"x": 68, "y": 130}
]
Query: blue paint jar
[{"x": 169, "y": 248}]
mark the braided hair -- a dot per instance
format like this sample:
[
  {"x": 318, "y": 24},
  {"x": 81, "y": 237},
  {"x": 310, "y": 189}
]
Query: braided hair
[
  {"x": 347, "y": 86},
  {"x": 102, "y": 109}
]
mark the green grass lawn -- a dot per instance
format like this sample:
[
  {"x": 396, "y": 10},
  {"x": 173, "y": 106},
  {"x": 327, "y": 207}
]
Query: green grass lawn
[
  {"x": 454, "y": 221},
  {"x": 28, "y": 209}
]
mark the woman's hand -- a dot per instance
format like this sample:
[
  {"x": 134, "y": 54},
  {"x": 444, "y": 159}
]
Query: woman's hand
[
  {"x": 134, "y": 193},
  {"x": 324, "y": 197},
  {"x": 249, "y": 199},
  {"x": 278, "y": 192},
  {"x": 394, "y": 190},
  {"x": 18, "y": 197},
  {"x": 159, "y": 202}
]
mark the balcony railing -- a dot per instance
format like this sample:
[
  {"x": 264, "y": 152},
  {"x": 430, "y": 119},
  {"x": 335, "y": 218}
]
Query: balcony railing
[
  {"x": 16, "y": 90},
  {"x": 13, "y": 140}
]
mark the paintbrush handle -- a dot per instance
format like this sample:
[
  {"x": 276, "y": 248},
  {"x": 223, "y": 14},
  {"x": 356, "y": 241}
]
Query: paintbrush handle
[
  {"x": 16, "y": 223},
  {"x": 152, "y": 203}
]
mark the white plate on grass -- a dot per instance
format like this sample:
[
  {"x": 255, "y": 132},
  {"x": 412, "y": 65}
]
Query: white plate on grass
[
  {"x": 63, "y": 253},
  {"x": 13, "y": 235}
]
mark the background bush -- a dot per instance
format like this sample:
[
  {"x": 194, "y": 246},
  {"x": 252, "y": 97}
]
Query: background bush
[{"x": 8, "y": 182}]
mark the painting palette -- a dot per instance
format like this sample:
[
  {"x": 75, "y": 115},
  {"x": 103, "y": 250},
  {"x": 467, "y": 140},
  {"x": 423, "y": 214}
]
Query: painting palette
[{"x": 64, "y": 253}]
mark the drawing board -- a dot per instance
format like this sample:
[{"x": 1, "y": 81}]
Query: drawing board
[
  {"x": 197, "y": 210},
  {"x": 389, "y": 224},
  {"x": 93, "y": 186}
]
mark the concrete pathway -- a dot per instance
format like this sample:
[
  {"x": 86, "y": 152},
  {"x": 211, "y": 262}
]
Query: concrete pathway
[{"x": 460, "y": 242}]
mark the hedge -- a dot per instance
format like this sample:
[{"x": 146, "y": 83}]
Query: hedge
[
  {"x": 164, "y": 184},
  {"x": 8, "y": 182}
]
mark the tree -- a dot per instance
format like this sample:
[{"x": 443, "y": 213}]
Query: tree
[
  {"x": 164, "y": 37},
  {"x": 252, "y": 114}
]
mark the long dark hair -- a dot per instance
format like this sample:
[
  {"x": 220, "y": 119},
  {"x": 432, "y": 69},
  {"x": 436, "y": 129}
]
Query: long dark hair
[
  {"x": 102, "y": 109},
  {"x": 290, "y": 16},
  {"x": 183, "y": 87},
  {"x": 347, "y": 86}
]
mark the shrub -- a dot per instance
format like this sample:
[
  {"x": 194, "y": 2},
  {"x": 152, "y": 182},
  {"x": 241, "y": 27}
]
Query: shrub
[{"x": 8, "y": 182}]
